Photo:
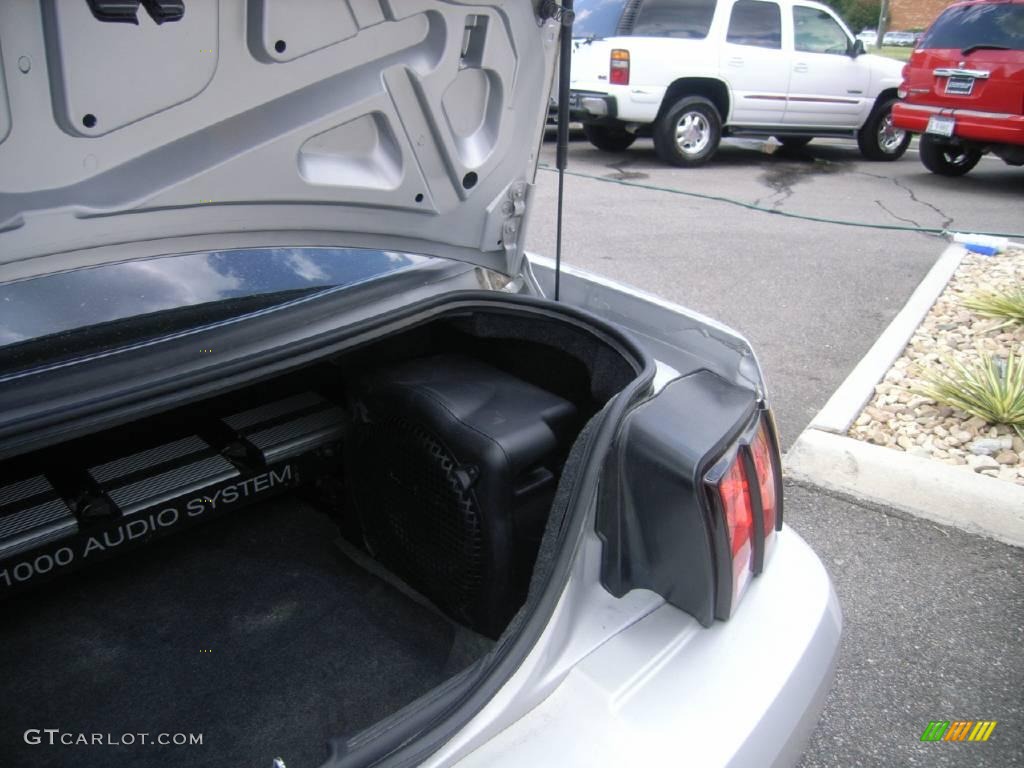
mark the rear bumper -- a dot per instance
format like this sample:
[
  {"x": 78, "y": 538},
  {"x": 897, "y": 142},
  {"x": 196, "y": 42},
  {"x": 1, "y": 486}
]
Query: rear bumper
[
  {"x": 971, "y": 125},
  {"x": 592, "y": 107},
  {"x": 604, "y": 104},
  {"x": 746, "y": 692}
]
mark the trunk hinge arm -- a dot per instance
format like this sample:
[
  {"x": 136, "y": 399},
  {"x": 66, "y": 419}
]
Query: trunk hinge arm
[{"x": 514, "y": 209}]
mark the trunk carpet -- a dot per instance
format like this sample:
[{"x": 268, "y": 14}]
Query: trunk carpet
[{"x": 252, "y": 630}]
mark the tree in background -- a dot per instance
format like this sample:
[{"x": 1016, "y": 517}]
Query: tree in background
[{"x": 858, "y": 14}]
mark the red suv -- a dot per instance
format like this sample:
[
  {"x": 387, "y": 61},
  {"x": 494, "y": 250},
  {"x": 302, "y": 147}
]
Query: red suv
[{"x": 963, "y": 88}]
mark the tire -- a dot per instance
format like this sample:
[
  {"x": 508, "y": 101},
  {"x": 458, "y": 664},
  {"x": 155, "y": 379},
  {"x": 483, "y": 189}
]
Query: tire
[
  {"x": 878, "y": 138},
  {"x": 608, "y": 138},
  {"x": 945, "y": 158},
  {"x": 794, "y": 142},
  {"x": 688, "y": 133}
]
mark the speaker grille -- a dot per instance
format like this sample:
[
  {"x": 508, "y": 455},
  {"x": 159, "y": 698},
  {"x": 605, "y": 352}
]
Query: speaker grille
[{"x": 417, "y": 518}]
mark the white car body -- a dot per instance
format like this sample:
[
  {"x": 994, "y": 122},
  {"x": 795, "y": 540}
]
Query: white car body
[
  {"x": 902, "y": 39},
  {"x": 869, "y": 37}
]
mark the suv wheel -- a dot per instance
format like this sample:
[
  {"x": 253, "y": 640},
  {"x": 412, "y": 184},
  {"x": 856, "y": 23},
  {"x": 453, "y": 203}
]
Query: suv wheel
[
  {"x": 879, "y": 138},
  {"x": 689, "y": 132},
  {"x": 945, "y": 158},
  {"x": 608, "y": 138}
]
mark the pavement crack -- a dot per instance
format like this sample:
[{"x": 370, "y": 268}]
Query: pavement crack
[
  {"x": 881, "y": 205},
  {"x": 946, "y": 219}
]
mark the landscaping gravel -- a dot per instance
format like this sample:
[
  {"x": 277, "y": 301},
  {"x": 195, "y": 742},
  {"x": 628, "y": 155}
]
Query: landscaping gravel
[{"x": 899, "y": 418}]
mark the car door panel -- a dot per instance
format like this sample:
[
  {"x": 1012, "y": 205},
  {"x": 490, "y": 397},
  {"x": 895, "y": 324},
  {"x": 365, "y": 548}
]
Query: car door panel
[
  {"x": 754, "y": 63},
  {"x": 827, "y": 86}
]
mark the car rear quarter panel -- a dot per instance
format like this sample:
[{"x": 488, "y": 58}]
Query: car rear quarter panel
[{"x": 665, "y": 691}]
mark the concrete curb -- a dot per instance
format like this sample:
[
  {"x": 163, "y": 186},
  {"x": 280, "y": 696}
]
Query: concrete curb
[
  {"x": 853, "y": 394},
  {"x": 921, "y": 487},
  {"x": 824, "y": 456}
]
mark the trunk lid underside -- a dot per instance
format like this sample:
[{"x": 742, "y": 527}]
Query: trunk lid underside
[{"x": 411, "y": 125}]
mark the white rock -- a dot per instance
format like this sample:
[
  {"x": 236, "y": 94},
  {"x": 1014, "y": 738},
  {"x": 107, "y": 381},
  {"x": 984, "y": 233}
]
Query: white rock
[
  {"x": 983, "y": 463},
  {"x": 986, "y": 446}
]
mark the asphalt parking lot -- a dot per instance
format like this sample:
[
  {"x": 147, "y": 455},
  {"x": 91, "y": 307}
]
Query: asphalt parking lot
[{"x": 934, "y": 617}]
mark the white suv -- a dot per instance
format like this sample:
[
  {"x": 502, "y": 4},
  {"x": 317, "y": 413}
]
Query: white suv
[{"x": 688, "y": 72}]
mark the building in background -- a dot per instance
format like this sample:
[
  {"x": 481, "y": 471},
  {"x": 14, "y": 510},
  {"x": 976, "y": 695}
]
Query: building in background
[{"x": 915, "y": 14}]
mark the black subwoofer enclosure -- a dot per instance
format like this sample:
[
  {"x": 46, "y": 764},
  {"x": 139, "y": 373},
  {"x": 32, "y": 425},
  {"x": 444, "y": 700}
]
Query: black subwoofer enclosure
[{"x": 454, "y": 470}]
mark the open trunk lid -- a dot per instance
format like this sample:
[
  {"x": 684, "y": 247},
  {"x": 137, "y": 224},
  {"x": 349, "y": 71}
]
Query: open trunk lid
[{"x": 410, "y": 125}]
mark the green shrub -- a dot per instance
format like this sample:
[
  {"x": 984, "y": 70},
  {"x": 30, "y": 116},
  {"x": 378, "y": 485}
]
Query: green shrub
[
  {"x": 1009, "y": 305},
  {"x": 991, "y": 388},
  {"x": 858, "y": 14}
]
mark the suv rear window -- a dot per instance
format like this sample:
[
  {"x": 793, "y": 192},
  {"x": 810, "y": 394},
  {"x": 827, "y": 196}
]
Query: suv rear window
[
  {"x": 755, "y": 23},
  {"x": 597, "y": 18},
  {"x": 995, "y": 25},
  {"x": 690, "y": 19}
]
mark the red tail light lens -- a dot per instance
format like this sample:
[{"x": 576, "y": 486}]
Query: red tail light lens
[
  {"x": 734, "y": 492},
  {"x": 747, "y": 499},
  {"x": 618, "y": 73},
  {"x": 763, "y": 450}
]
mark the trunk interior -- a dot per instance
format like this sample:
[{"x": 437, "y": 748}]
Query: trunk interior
[{"x": 294, "y": 561}]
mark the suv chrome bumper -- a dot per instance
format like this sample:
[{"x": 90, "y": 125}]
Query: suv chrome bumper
[{"x": 589, "y": 106}]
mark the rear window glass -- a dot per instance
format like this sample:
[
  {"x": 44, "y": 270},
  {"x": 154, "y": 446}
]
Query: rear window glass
[
  {"x": 596, "y": 18},
  {"x": 999, "y": 25},
  {"x": 755, "y": 23},
  {"x": 48, "y": 319},
  {"x": 689, "y": 19}
]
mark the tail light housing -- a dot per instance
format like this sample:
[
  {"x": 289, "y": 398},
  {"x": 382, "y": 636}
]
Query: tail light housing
[
  {"x": 745, "y": 492},
  {"x": 901, "y": 92},
  {"x": 618, "y": 68}
]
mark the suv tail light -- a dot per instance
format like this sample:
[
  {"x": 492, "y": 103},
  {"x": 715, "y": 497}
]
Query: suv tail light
[
  {"x": 745, "y": 489},
  {"x": 901, "y": 92},
  {"x": 618, "y": 73}
]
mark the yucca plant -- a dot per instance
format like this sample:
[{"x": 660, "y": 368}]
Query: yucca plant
[
  {"x": 991, "y": 388},
  {"x": 1008, "y": 305}
]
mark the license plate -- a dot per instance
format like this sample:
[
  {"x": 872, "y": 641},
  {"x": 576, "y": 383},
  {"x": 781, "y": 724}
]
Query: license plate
[
  {"x": 940, "y": 126},
  {"x": 958, "y": 85}
]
